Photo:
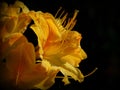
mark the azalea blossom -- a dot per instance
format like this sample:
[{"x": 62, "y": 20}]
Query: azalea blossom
[
  {"x": 24, "y": 66},
  {"x": 59, "y": 45}
]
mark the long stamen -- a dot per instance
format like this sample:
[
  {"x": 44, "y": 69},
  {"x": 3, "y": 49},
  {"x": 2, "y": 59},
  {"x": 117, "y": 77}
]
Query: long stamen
[
  {"x": 58, "y": 12},
  {"x": 72, "y": 19},
  {"x": 84, "y": 76},
  {"x": 61, "y": 14},
  {"x": 64, "y": 18},
  {"x": 91, "y": 72},
  {"x": 62, "y": 77},
  {"x": 72, "y": 25}
]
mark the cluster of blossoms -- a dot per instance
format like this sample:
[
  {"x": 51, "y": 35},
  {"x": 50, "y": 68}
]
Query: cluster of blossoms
[{"x": 24, "y": 66}]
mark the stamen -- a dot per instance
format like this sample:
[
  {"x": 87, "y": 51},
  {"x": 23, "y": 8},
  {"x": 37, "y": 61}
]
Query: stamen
[
  {"x": 91, "y": 72},
  {"x": 62, "y": 77},
  {"x": 61, "y": 14},
  {"x": 72, "y": 25},
  {"x": 63, "y": 23},
  {"x": 72, "y": 19},
  {"x": 58, "y": 12},
  {"x": 64, "y": 18},
  {"x": 84, "y": 76}
]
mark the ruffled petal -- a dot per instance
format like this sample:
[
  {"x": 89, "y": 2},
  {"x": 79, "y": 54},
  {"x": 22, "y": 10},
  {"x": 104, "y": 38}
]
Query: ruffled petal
[
  {"x": 12, "y": 20},
  {"x": 66, "y": 68},
  {"x": 69, "y": 70},
  {"x": 40, "y": 28},
  {"x": 22, "y": 67},
  {"x": 8, "y": 44},
  {"x": 49, "y": 79}
]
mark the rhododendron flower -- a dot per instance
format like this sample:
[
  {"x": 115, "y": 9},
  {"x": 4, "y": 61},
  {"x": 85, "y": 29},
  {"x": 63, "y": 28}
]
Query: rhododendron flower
[
  {"x": 58, "y": 45},
  {"x": 22, "y": 65}
]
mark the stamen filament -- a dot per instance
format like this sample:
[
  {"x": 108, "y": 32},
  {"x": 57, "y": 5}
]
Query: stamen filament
[
  {"x": 84, "y": 76},
  {"x": 91, "y": 72},
  {"x": 72, "y": 19},
  {"x": 58, "y": 12},
  {"x": 72, "y": 25},
  {"x": 64, "y": 17},
  {"x": 61, "y": 14},
  {"x": 63, "y": 77}
]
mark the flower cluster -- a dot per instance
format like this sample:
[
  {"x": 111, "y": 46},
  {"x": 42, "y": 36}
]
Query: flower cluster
[{"x": 24, "y": 66}]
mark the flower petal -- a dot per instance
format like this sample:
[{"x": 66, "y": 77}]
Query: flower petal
[
  {"x": 22, "y": 67},
  {"x": 12, "y": 20},
  {"x": 40, "y": 28},
  {"x": 49, "y": 79},
  {"x": 19, "y": 60},
  {"x": 8, "y": 44},
  {"x": 68, "y": 70}
]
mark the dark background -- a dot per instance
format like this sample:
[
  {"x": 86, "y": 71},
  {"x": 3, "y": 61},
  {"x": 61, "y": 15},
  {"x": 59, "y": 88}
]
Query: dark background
[{"x": 99, "y": 24}]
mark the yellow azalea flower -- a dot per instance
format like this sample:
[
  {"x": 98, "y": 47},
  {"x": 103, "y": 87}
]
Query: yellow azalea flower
[{"x": 57, "y": 44}]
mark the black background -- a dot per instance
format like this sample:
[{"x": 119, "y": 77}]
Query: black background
[{"x": 99, "y": 24}]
